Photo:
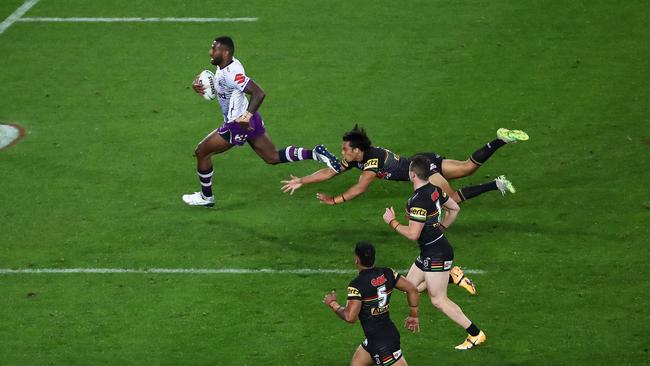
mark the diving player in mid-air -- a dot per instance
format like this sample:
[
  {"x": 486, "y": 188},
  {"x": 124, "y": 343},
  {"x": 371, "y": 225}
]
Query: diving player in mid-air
[
  {"x": 242, "y": 123},
  {"x": 377, "y": 162},
  {"x": 369, "y": 301}
]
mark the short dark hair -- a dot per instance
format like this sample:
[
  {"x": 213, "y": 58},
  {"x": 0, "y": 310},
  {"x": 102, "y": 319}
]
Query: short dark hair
[
  {"x": 366, "y": 253},
  {"x": 357, "y": 138},
  {"x": 421, "y": 166},
  {"x": 227, "y": 43}
]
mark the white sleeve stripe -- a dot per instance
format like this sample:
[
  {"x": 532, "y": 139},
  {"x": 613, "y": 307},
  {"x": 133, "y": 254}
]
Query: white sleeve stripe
[{"x": 245, "y": 83}]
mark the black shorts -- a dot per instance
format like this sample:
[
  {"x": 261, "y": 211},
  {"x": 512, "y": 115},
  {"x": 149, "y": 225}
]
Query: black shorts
[
  {"x": 384, "y": 346},
  {"x": 436, "y": 162},
  {"x": 437, "y": 256}
]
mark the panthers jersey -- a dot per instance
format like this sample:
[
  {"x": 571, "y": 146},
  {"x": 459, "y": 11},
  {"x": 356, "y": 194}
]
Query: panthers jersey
[
  {"x": 373, "y": 287},
  {"x": 230, "y": 83},
  {"x": 383, "y": 162},
  {"x": 424, "y": 206}
]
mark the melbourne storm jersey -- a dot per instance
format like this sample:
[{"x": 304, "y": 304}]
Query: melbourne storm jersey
[
  {"x": 373, "y": 287},
  {"x": 383, "y": 162},
  {"x": 230, "y": 83},
  {"x": 424, "y": 206}
]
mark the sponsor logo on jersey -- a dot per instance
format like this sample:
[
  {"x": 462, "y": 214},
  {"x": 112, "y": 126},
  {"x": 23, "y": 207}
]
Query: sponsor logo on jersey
[
  {"x": 378, "y": 281},
  {"x": 397, "y": 354},
  {"x": 380, "y": 310},
  {"x": 434, "y": 196},
  {"x": 418, "y": 213},
  {"x": 354, "y": 292},
  {"x": 240, "y": 78},
  {"x": 448, "y": 264},
  {"x": 371, "y": 163}
]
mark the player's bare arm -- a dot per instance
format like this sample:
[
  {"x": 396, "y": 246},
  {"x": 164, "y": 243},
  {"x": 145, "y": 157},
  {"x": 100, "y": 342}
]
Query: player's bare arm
[
  {"x": 452, "y": 209},
  {"x": 438, "y": 180},
  {"x": 257, "y": 96},
  {"x": 412, "y": 322},
  {"x": 349, "y": 312},
  {"x": 318, "y": 176},
  {"x": 356, "y": 190},
  {"x": 411, "y": 231}
]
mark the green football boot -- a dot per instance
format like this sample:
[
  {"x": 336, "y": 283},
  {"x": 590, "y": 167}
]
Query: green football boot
[{"x": 511, "y": 136}]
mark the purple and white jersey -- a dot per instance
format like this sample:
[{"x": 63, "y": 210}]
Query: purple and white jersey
[{"x": 230, "y": 82}]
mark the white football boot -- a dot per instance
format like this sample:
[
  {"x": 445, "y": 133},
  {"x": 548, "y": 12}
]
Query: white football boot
[
  {"x": 197, "y": 199},
  {"x": 504, "y": 185}
]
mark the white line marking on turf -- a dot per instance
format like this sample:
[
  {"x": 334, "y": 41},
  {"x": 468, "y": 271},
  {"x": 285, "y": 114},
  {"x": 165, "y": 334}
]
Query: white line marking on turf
[
  {"x": 192, "y": 271},
  {"x": 15, "y": 16},
  {"x": 136, "y": 20}
]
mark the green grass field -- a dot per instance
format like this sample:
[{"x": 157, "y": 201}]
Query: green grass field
[{"x": 111, "y": 123}]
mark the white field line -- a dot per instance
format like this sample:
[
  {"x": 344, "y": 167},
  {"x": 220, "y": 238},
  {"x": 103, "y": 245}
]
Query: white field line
[
  {"x": 192, "y": 271},
  {"x": 136, "y": 20},
  {"x": 17, "y": 14}
]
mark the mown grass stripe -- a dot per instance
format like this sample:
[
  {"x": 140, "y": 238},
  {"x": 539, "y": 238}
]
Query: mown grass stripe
[{"x": 191, "y": 271}]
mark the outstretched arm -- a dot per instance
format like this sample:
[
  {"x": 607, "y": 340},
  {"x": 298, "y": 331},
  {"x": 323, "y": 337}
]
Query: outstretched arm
[
  {"x": 296, "y": 182},
  {"x": 349, "y": 312},
  {"x": 412, "y": 322},
  {"x": 356, "y": 190}
]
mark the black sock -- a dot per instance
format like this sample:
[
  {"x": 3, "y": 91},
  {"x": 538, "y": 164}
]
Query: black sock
[
  {"x": 473, "y": 330},
  {"x": 481, "y": 155},
  {"x": 468, "y": 192}
]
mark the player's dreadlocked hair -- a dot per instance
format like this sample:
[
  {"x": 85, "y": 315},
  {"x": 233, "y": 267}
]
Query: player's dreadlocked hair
[
  {"x": 421, "y": 166},
  {"x": 357, "y": 138},
  {"x": 366, "y": 253},
  {"x": 227, "y": 43}
]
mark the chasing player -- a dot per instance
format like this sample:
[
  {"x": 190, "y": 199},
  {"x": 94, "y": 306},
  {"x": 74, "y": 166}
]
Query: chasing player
[
  {"x": 242, "y": 123},
  {"x": 369, "y": 301},
  {"x": 436, "y": 254},
  {"x": 377, "y": 162}
]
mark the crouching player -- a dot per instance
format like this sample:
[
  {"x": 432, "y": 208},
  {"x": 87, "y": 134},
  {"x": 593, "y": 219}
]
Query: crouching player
[{"x": 369, "y": 300}]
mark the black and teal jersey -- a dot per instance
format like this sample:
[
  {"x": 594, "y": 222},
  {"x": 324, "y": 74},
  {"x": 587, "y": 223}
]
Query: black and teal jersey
[
  {"x": 373, "y": 287},
  {"x": 424, "y": 206},
  {"x": 385, "y": 164}
]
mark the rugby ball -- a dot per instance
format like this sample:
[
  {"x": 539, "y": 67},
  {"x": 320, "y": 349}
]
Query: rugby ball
[{"x": 206, "y": 78}]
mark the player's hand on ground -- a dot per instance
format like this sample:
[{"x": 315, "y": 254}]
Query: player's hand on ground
[
  {"x": 412, "y": 324},
  {"x": 197, "y": 86},
  {"x": 389, "y": 215},
  {"x": 291, "y": 184},
  {"x": 329, "y": 298},
  {"x": 323, "y": 198}
]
